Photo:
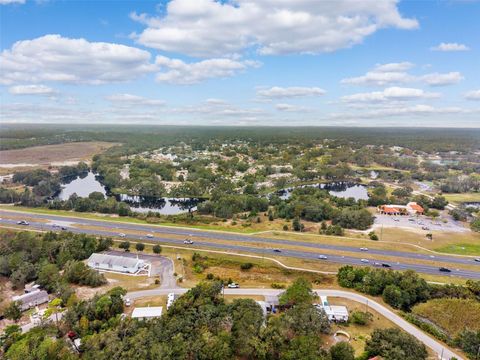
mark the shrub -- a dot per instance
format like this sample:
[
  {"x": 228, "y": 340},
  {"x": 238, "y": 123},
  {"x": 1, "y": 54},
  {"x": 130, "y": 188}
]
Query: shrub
[
  {"x": 246, "y": 266},
  {"x": 157, "y": 249},
  {"x": 140, "y": 246},
  {"x": 277, "y": 286},
  {"x": 361, "y": 317},
  {"x": 285, "y": 227}
]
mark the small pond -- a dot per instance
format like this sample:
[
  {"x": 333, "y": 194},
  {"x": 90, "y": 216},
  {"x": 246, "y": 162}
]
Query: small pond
[
  {"x": 84, "y": 186},
  {"x": 339, "y": 189}
]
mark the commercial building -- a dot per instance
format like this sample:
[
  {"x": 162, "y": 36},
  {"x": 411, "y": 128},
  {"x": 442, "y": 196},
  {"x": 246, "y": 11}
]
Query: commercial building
[
  {"x": 412, "y": 208},
  {"x": 122, "y": 264},
  {"x": 144, "y": 313}
]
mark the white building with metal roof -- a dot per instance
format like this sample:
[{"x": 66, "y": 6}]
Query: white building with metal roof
[
  {"x": 122, "y": 264},
  {"x": 145, "y": 313}
]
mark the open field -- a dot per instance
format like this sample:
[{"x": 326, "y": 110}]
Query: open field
[
  {"x": 464, "y": 197},
  {"x": 451, "y": 315},
  {"x": 52, "y": 155}
]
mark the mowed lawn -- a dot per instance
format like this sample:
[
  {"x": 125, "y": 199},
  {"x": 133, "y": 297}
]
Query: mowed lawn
[{"x": 463, "y": 197}]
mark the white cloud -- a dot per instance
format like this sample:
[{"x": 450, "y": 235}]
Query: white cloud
[
  {"x": 402, "y": 111},
  {"x": 133, "y": 100},
  {"x": 473, "y": 95},
  {"x": 176, "y": 71},
  {"x": 60, "y": 59},
  {"x": 437, "y": 79},
  {"x": 395, "y": 73},
  {"x": 390, "y": 94},
  {"x": 277, "y": 92},
  {"x": 208, "y": 28},
  {"x": 394, "y": 67},
  {"x": 31, "y": 90},
  {"x": 290, "y": 108},
  {"x": 383, "y": 74},
  {"x": 450, "y": 47},
  {"x": 6, "y": 2}
]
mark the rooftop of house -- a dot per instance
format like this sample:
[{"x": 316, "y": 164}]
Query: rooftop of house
[{"x": 31, "y": 296}]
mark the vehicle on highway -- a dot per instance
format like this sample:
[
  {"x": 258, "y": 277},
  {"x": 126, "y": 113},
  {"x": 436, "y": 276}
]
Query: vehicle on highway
[
  {"x": 233, "y": 286},
  {"x": 477, "y": 259},
  {"x": 323, "y": 257},
  {"x": 188, "y": 241},
  {"x": 121, "y": 235},
  {"x": 425, "y": 228},
  {"x": 363, "y": 249},
  {"x": 364, "y": 260},
  {"x": 23, "y": 222},
  {"x": 377, "y": 264},
  {"x": 444, "y": 269},
  {"x": 385, "y": 265},
  {"x": 397, "y": 220},
  {"x": 277, "y": 250},
  {"x": 128, "y": 302},
  {"x": 63, "y": 228},
  {"x": 149, "y": 236}
]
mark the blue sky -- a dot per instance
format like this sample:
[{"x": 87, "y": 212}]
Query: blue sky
[{"x": 241, "y": 62}]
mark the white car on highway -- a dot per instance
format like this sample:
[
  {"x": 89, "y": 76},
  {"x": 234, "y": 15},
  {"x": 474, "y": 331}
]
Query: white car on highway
[
  {"x": 233, "y": 286},
  {"x": 322, "y": 257},
  {"x": 121, "y": 235},
  {"x": 188, "y": 242},
  {"x": 364, "y": 260},
  {"x": 363, "y": 249},
  {"x": 149, "y": 236}
]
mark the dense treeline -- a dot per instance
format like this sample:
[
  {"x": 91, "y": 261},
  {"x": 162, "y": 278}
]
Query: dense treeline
[
  {"x": 402, "y": 290},
  {"x": 26, "y": 256},
  {"x": 145, "y": 136}
]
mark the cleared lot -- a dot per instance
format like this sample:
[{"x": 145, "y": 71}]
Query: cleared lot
[{"x": 56, "y": 155}]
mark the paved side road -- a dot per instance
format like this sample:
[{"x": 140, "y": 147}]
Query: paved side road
[{"x": 430, "y": 342}]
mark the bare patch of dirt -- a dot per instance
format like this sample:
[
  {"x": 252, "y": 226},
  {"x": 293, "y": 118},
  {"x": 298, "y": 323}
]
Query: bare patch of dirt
[{"x": 52, "y": 155}]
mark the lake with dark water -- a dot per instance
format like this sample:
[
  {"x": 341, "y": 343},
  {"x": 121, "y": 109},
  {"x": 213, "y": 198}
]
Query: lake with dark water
[
  {"x": 84, "y": 186},
  {"x": 339, "y": 189}
]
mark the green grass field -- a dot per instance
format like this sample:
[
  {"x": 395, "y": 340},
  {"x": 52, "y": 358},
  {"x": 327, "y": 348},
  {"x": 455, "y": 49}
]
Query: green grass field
[
  {"x": 464, "y": 197},
  {"x": 461, "y": 249}
]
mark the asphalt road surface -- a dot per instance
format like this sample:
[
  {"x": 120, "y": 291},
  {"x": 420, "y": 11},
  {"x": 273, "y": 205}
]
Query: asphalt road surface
[
  {"x": 240, "y": 243},
  {"x": 442, "y": 352}
]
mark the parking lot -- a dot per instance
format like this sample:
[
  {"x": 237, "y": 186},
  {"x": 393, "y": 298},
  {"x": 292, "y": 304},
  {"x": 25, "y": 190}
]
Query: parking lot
[{"x": 422, "y": 223}]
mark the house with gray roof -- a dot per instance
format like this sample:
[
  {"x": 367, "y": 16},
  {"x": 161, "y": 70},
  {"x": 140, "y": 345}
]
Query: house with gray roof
[{"x": 31, "y": 299}]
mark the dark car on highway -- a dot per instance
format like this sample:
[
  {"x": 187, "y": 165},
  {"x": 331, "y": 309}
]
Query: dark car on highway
[
  {"x": 385, "y": 265},
  {"x": 444, "y": 269}
]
